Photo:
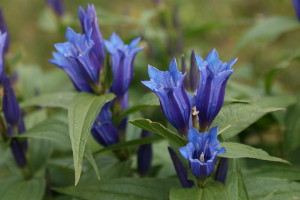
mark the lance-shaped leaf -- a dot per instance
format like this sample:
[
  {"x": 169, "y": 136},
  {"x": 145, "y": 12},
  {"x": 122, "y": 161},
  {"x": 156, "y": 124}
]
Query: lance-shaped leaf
[
  {"x": 237, "y": 150},
  {"x": 159, "y": 129},
  {"x": 82, "y": 113}
]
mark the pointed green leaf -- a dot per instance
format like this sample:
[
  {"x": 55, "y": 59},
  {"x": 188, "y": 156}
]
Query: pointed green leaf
[
  {"x": 237, "y": 150},
  {"x": 159, "y": 129},
  {"x": 125, "y": 189},
  {"x": 82, "y": 112},
  {"x": 89, "y": 156},
  {"x": 235, "y": 117}
]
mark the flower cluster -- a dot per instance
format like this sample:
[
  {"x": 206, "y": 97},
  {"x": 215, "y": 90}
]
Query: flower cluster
[
  {"x": 82, "y": 58},
  {"x": 12, "y": 111},
  {"x": 192, "y": 115}
]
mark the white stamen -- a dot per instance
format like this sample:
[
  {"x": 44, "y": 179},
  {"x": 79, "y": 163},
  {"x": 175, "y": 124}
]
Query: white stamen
[{"x": 202, "y": 158}]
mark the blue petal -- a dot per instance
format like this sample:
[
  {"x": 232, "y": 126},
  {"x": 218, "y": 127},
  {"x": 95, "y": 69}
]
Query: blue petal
[{"x": 187, "y": 150}]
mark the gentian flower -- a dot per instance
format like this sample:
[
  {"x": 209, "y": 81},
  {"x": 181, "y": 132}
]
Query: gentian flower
[
  {"x": 122, "y": 61},
  {"x": 297, "y": 8},
  {"x": 89, "y": 22},
  {"x": 57, "y": 6},
  {"x": 103, "y": 130},
  {"x": 3, "y": 37},
  {"x": 3, "y": 30},
  {"x": 11, "y": 108},
  {"x": 201, "y": 151},
  {"x": 214, "y": 75},
  {"x": 174, "y": 100},
  {"x": 74, "y": 57}
]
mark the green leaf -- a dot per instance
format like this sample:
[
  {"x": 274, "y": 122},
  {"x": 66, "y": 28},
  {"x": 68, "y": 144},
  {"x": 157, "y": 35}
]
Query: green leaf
[
  {"x": 263, "y": 188},
  {"x": 51, "y": 129},
  {"x": 82, "y": 112},
  {"x": 261, "y": 35},
  {"x": 213, "y": 191},
  {"x": 125, "y": 189},
  {"x": 291, "y": 133},
  {"x": 13, "y": 187},
  {"x": 235, "y": 117},
  {"x": 237, "y": 150},
  {"x": 131, "y": 143},
  {"x": 235, "y": 183},
  {"x": 56, "y": 100},
  {"x": 159, "y": 129}
]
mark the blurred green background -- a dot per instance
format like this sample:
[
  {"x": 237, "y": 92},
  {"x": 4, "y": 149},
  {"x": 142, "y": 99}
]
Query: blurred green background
[{"x": 170, "y": 28}]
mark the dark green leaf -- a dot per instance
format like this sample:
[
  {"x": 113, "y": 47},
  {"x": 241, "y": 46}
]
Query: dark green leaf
[
  {"x": 131, "y": 143},
  {"x": 82, "y": 113},
  {"x": 159, "y": 129},
  {"x": 15, "y": 188},
  {"x": 125, "y": 189},
  {"x": 237, "y": 150},
  {"x": 213, "y": 191}
]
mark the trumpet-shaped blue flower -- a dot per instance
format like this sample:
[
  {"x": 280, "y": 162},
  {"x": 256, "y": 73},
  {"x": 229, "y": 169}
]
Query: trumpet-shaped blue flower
[
  {"x": 103, "y": 130},
  {"x": 122, "y": 61},
  {"x": 201, "y": 151},
  {"x": 89, "y": 22},
  {"x": 174, "y": 100},
  {"x": 214, "y": 75},
  {"x": 57, "y": 6},
  {"x": 75, "y": 58},
  {"x": 3, "y": 30},
  {"x": 11, "y": 108}
]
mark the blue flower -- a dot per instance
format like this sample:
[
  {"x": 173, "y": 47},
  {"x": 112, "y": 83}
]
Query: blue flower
[
  {"x": 297, "y": 8},
  {"x": 11, "y": 108},
  {"x": 174, "y": 100},
  {"x": 201, "y": 151},
  {"x": 3, "y": 30},
  {"x": 103, "y": 130},
  {"x": 214, "y": 75},
  {"x": 89, "y": 22},
  {"x": 57, "y": 6},
  {"x": 122, "y": 61},
  {"x": 3, "y": 37},
  {"x": 74, "y": 57}
]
